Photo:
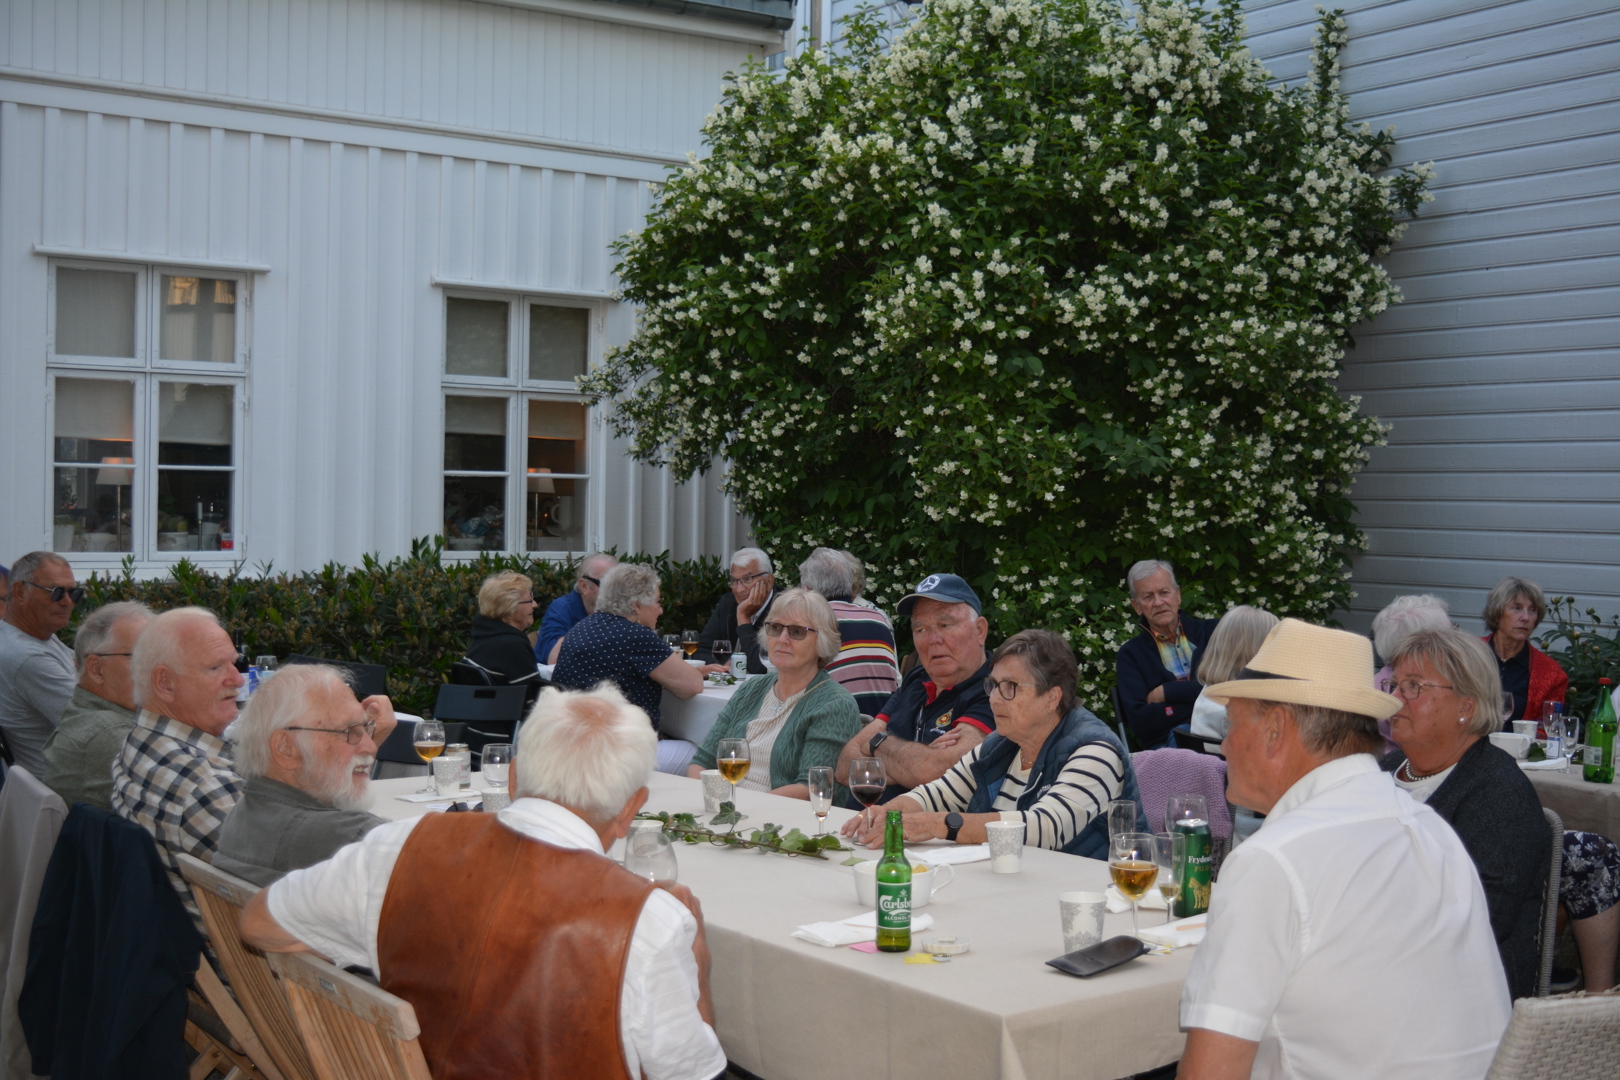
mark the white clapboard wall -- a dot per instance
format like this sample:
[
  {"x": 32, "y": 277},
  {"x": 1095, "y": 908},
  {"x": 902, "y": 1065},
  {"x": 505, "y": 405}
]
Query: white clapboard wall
[
  {"x": 1501, "y": 371},
  {"x": 367, "y": 153}
]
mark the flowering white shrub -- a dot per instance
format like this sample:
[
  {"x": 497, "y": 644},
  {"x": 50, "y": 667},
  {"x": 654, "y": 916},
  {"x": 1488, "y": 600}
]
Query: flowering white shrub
[{"x": 1043, "y": 288}]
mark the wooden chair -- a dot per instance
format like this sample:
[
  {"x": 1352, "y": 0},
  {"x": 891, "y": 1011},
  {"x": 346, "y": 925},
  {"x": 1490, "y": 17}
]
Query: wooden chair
[
  {"x": 353, "y": 1030},
  {"x": 1549, "y": 904},
  {"x": 221, "y": 897}
]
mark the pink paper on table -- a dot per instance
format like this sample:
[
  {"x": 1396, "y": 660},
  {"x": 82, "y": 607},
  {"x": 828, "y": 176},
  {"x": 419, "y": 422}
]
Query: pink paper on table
[{"x": 865, "y": 946}]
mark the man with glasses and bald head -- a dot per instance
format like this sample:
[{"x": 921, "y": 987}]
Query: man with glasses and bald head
[{"x": 36, "y": 669}]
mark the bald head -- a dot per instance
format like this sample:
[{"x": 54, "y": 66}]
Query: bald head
[{"x": 185, "y": 669}]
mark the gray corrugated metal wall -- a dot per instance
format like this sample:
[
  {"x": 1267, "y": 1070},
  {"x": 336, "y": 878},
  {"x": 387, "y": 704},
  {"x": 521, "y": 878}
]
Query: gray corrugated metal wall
[{"x": 1501, "y": 371}]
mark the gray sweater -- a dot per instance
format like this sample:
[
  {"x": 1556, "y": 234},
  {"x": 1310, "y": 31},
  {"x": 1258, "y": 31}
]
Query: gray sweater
[
  {"x": 36, "y": 681},
  {"x": 80, "y": 753},
  {"x": 275, "y": 828}
]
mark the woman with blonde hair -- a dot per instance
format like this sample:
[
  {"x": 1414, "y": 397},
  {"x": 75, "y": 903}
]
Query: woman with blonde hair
[
  {"x": 1235, "y": 640},
  {"x": 500, "y": 639}
]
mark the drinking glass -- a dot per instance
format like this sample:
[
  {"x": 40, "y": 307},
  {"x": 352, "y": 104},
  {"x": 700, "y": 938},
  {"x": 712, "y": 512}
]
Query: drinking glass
[
  {"x": 1189, "y": 808},
  {"x": 1121, "y": 816},
  {"x": 429, "y": 743},
  {"x": 1133, "y": 863},
  {"x": 721, "y": 650},
  {"x": 673, "y": 641},
  {"x": 1172, "y": 859},
  {"x": 649, "y": 854},
  {"x": 1569, "y": 737},
  {"x": 689, "y": 643},
  {"x": 497, "y": 764},
  {"x": 266, "y": 663},
  {"x": 1509, "y": 713},
  {"x": 731, "y": 758},
  {"x": 867, "y": 780},
  {"x": 821, "y": 795}
]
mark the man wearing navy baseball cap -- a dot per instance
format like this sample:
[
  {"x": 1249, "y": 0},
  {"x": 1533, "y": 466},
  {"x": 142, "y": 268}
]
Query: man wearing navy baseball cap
[{"x": 940, "y": 711}]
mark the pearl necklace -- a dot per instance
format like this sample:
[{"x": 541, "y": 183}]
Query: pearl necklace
[{"x": 1413, "y": 778}]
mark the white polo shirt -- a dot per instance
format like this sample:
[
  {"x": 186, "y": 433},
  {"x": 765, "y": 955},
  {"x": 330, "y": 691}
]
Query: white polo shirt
[
  {"x": 1349, "y": 937},
  {"x": 334, "y": 908}
]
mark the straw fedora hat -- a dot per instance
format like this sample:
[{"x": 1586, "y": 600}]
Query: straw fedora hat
[{"x": 1301, "y": 664}]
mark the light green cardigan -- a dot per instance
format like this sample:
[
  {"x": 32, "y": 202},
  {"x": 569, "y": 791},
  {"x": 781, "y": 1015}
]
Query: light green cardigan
[{"x": 816, "y": 730}]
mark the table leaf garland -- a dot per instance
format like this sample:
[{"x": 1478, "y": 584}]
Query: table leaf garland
[{"x": 768, "y": 837}]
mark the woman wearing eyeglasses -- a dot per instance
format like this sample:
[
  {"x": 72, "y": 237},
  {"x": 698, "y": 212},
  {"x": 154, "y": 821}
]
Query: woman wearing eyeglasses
[
  {"x": 1050, "y": 763},
  {"x": 1450, "y": 694},
  {"x": 797, "y": 717}
]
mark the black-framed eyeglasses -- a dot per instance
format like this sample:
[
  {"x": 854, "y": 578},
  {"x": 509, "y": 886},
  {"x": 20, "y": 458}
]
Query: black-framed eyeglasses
[
  {"x": 1410, "y": 689},
  {"x": 351, "y": 734},
  {"x": 774, "y": 629},
  {"x": 1006, "y": 689},
  {"x": 58, "y": 591},
  {"x": 751, "y": 577},
  {"x": 112, "y": 654}
]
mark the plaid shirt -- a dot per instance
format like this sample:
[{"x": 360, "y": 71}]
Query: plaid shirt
[{"x": 178, "y": 783}]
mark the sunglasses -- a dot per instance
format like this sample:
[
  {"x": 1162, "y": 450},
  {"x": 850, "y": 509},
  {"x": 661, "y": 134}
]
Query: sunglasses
[
  {"x": 75, "y": 594},
  {"x": 594, "y": 581},
  {"x": 775, "y": 629},
  {"x": 350, "y": 733}
]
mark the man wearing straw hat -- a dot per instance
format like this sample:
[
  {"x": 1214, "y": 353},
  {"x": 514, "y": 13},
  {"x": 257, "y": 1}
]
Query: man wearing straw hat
[{"x": 1349, "y": 937}]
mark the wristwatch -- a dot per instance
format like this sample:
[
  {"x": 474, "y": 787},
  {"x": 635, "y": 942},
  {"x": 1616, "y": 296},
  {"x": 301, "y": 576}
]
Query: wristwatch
[
  {"x": 953, "y": 825},
  {"x": 877, "y": 741}
]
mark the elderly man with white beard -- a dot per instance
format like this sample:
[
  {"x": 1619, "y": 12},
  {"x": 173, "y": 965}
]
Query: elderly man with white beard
[{"x": 305, "y": 747}]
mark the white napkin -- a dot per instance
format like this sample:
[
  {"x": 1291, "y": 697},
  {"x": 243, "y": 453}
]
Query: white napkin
[
  {"x": 1550, "y": 763},
  {"x": 1153, "y": 901},
  {"x": 853, "y": 931},
  {"x": 1182, "y": 932},
  {"x": 949, "y": 854},
  {"x": 466, "y": 795}
]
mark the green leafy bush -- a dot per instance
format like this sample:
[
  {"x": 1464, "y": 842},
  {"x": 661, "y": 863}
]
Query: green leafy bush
[
  {"x": 1039, "y": 289},
  {"x": 412, "y": 614},
  {"x": 1590, "y": 651}
]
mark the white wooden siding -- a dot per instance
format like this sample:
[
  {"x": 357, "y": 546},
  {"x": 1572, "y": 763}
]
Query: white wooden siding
[
  {"x": 343, "y": 444},
  {"x": 1501, "y": 371}
]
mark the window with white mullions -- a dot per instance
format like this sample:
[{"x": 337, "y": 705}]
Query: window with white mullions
[{"x": 516, "y": 433}]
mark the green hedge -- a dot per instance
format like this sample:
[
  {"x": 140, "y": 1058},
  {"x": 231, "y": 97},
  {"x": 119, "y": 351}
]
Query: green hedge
[{"x": 412, "y": 614}]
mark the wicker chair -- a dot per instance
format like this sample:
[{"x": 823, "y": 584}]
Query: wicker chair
[
  {"x": 1549, "y": 904},
  {"x": 1567, "y": 1037},
  {"x": 353, "y": 1030}
]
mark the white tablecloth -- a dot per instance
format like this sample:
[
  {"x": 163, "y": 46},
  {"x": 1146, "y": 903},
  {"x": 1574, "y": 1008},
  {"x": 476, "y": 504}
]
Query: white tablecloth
[
  {"x": 691, "y": 719},
  {"x": 790, "y": 1010}
]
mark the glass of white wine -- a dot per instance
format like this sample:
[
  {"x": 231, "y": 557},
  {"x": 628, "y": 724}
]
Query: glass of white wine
[
  {"x": 731, "y": 758},
  {"x": 1133, "y": 863},
  {"x": 821, "y": 795},
  {"x": 1172, "y": 859},
  {"x": 428, "y": 740}
]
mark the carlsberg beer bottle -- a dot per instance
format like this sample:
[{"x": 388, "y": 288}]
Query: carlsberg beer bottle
[
  {"x": 1193, "y": 898},
  {"x": 894, "y": 890}
]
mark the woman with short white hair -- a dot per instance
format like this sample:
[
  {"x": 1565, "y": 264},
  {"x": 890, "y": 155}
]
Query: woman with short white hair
[{"x": 619, "y": 643}]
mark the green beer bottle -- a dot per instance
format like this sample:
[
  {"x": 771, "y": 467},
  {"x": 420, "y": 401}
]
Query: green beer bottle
[
  {"x": 894, "y": 889},
  {"x": 1598, "y": 757}
]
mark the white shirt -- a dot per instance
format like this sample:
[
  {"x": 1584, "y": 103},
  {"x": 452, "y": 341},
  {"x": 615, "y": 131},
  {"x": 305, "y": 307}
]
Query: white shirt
[
  {"x": 334, "y": 907},
  {"x": 1349, "y": 937}
]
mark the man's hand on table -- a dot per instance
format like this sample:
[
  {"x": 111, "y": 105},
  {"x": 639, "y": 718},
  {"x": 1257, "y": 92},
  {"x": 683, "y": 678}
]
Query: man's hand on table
[
  {"x": 867, "y": 827},
  {"x": 713, "y": 669}
]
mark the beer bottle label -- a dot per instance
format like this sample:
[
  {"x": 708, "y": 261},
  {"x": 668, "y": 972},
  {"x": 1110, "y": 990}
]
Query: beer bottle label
[{"x": 894, "y": 906}]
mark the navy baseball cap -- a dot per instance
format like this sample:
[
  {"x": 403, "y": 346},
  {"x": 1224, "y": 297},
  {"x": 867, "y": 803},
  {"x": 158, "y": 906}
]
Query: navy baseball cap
[{"x": 946, "y": 588}]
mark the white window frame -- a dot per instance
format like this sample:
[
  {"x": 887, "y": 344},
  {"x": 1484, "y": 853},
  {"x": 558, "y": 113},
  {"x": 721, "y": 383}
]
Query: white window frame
[
  {"x": 518, "y": 390},
  {"x": 147, "y": 372}
]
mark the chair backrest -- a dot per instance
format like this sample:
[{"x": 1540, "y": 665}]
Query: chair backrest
[
  {"x": 1567, "y": 1037},
  {"x": 367, "y": 679},
  {"x": 1117, "y": 703},
  {"x": 1182, "y": 739},
  {"x": 221, "y": 897},
  {"x": 31, "y": 815},
  {"x": 1165, "y": 772},
  {"x": 475, "y": 704},
  {"x": 465, "y": 672},
  {"x": 1549, "y": 903},
  {"x": 354, "y": 1030}
]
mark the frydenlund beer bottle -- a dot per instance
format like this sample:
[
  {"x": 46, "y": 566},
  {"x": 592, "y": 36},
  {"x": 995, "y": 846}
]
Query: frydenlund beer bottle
[{"x": 894, "y": 889}]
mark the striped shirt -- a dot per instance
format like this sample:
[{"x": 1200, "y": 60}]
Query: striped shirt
[
  {"x": 1092, "y": 777},
  {"x": 865, "y": 664}
]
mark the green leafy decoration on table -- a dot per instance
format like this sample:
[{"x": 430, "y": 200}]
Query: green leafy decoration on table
[
  {"x": 767, "y": 837},
  {"x": 1537, "y": 753}
]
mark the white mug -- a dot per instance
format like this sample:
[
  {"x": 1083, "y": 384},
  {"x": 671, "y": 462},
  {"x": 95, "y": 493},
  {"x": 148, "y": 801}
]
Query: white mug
[
  {"x": 923, "y": 883},
  {"x": 1082, "y": 917}
]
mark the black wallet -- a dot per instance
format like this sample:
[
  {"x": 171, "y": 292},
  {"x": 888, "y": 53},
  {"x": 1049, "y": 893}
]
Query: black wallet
[{"x": 1095, "y": 959}]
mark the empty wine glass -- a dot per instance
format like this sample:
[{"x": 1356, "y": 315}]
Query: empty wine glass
[
  {"x": 1509, "y": 713},
  {"x": 428, "y": 739},
  {"x": 1121, "y": 816},
  {"x": 821, "y": 795},
  {"x": 731, "y": 758},
  {"x": 1133, "y": 863},
  {"x": 649, "y": 854},
  {"x": 497, "y": 764},
  {"x": 266, "y": 663},
  {"x": 673, "y": 641}
]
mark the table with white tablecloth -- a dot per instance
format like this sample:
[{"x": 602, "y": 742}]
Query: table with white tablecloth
[
  {"x": 1581, "y": 805},
  {"x": 787, "y": 1009},
  {"x": 691, "y": 719}
]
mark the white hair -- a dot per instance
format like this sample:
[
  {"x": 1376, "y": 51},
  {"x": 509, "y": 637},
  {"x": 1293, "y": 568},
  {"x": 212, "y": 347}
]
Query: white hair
[
  {"x": 1146, "y": 569},
  {"x": 602, "y": 560},
  {"x": 829, "y": 573},
  {"x": 281, "y": 700},
  {"x": 161, "y": 644},
  {"x": 744, "y": 556},
  {"x": 1405, "y": 615},
  {"x": 97, "y": 630},
  {"x": 625, "y": 587},
  {"x": 588, "y": 750}
]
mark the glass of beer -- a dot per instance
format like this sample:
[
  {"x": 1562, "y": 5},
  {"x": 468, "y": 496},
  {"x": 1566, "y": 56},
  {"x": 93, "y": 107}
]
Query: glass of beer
[
  {"x": 429, "y": 743},
  {"x": 689, "y": 643},
  {"x": 1133, "y": 863},
  {"x": 821, "y": 795},
  {"x": 1172, "y": 859},
  {"x": 731, "y": 758}
]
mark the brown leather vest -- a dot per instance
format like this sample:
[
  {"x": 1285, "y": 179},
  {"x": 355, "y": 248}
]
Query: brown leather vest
[{"x": 511, "y": 950}]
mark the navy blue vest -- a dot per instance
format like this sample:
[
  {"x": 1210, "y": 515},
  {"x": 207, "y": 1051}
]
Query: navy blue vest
[{"x": 1079, "y": 728}]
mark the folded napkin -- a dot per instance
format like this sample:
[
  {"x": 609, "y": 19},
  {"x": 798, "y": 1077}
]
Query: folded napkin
[
  {"x": 1153, "y": 901},
  {"x": 1182, "y": 932},
  {"x": 1550, "y": 763},
  {"x": 852, "y": 931},
  {"x": 949, "y": 854}
]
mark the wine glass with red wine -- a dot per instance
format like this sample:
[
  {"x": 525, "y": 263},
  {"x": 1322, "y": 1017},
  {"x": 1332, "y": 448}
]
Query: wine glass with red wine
[
  {"x": 721, "y": 651},
  {"x": 866, "y": 780}
]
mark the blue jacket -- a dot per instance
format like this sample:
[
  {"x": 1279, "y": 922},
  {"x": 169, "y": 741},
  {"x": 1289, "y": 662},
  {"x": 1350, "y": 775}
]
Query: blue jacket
[
  {"x": 560, "y": 617},
  {"x": 1076, "y": 730},
  {"x": 1139, "y": 670}
]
